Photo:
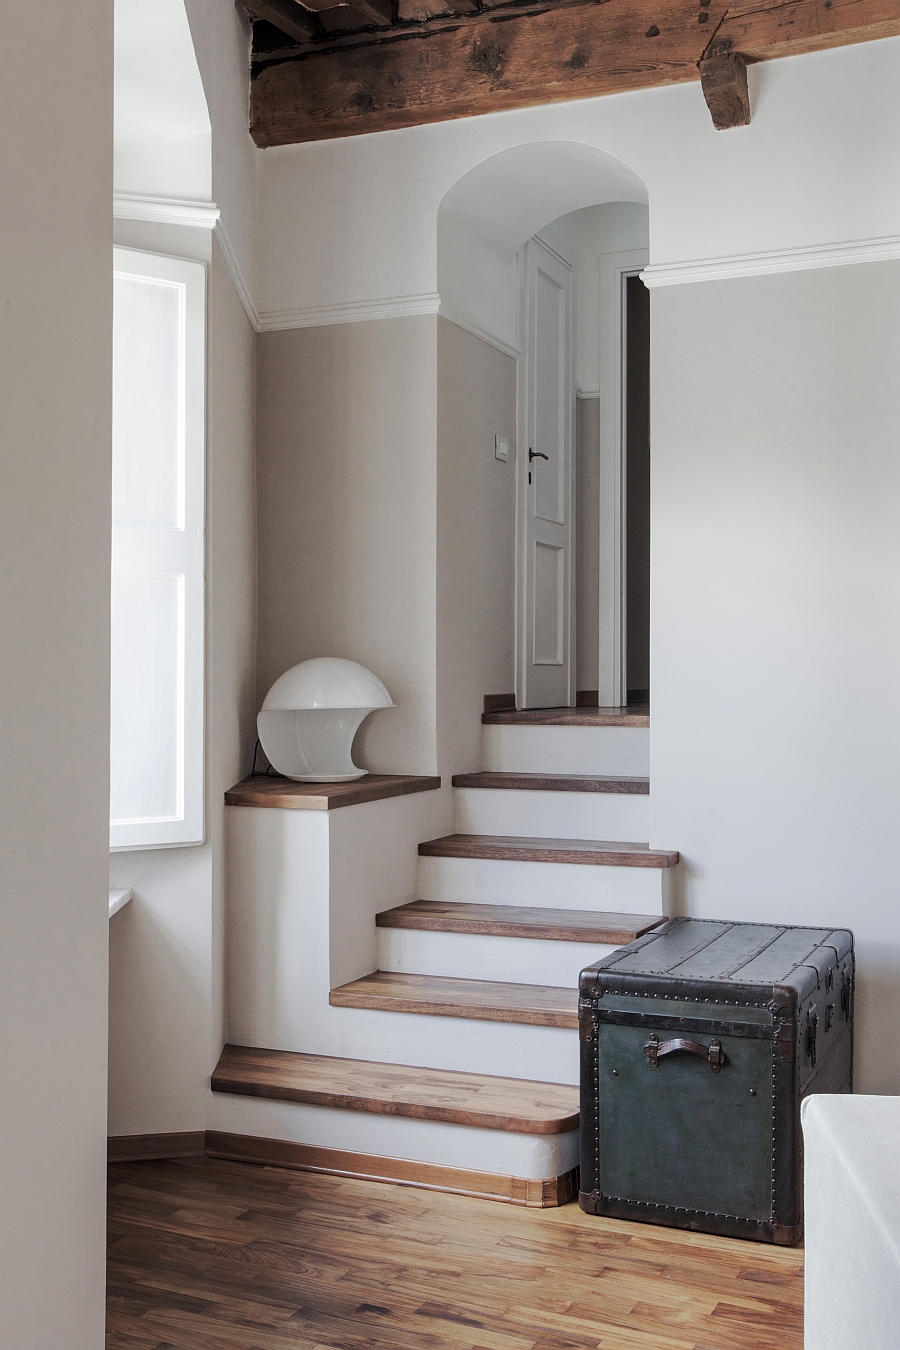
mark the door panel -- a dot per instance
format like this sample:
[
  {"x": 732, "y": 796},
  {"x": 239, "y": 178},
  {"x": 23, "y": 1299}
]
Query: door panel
[
  {"x": 544, "y": 608},
  {"x": 548, "y": 604}
]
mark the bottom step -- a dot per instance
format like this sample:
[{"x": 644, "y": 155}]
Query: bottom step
[
  {"x": 535, "y": 1193},
  {"x": 507, "y": 1139}
]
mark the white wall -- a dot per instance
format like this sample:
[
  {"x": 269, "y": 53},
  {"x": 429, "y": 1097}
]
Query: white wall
[
  {"x": 162, "y": 128},
  {"x": 167, "y": 1014},
  {"x": 811, "y": 168},
  {"x": 476, "y": 531},
  {"x": 774, "y": 480},
  {"x": 775, "y": 746},
  {"x": 347, "y": 481},
  {"x": 55, "y": 379}
]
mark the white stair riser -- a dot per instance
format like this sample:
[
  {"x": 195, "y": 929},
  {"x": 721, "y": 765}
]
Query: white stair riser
[
  {"x": 623, "y": 890},
  {"x": 468, "y": 956},
  {"x": 560, "y": 815},
  {"x": 504, "y": 1049},
  {"x": 596, "y": 750},
  {"x": 502, "y": 1152}
]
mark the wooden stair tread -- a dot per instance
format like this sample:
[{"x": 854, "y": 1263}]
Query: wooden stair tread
[
  {"x": 513, "y": 848},
  {"x": 553, "y": 782},
  {"x": 563, "y": 925},
  {"x": 268, "y": 790},
  {"x": 635, "y": 715},
  {"x": 398, "y": 1090},
  {"x": 536, "y": 1005}
]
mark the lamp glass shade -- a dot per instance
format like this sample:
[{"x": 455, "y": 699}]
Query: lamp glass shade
[{"x": 312, "y": 713}]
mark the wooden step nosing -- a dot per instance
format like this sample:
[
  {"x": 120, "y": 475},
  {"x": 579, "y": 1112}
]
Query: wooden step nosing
[
  {"x": 532, "y": 851},
  {"x": 588, "y": 784},
  {"x": 531, "y": 1017},
  {"x": 486, "y": 1120},
  {"x": 397, "y": 921},
  {"x": 566, "y": 717}
]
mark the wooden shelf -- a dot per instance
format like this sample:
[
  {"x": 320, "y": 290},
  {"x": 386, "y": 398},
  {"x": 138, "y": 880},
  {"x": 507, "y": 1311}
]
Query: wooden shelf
[
  {"x": 397, "y": 1090},
  {"x": 553, "y": 782},
  {"x": 559, "y": 925},
  {"x": 511, "y": 848},
  {"x": 534, "y": 1005},
  {"x": 635, "y": 715},
  {"x": 269, "y": 791}
]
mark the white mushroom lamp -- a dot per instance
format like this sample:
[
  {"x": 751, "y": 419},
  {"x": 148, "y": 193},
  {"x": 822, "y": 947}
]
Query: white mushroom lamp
[{"x": 311, "y": 714}]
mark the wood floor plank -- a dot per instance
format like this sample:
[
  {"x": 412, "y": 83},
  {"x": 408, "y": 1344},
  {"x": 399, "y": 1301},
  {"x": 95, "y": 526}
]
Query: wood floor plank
[
  {"x": 441, "y": 996},
  {"x": 516, "y": 848},
  {"x": 328, "y": 1263},
  {"x": 523, "y": 921},
  {"x": 491, "y": 1103}
]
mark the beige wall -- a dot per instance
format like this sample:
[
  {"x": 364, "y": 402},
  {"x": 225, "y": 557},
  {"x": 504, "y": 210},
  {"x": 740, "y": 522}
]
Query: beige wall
[
  {"x": 587, "y": 540},
  {"x": 166, "y": 988},
  {"x": 347, "y": 517},
  {"x": 55, "y": 379},
  {"x": 775, "y": 748},
  {"x": 476, "y": 514}
]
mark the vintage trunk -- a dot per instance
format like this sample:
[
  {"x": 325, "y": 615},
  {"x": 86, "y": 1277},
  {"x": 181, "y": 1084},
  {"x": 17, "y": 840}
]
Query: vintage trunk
[{"x": 698, "y": 1043}]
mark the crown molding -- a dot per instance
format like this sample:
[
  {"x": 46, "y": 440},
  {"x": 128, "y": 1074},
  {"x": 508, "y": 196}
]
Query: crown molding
[
  {"x": 165, "y": 210},
  {"x": 351, "y": 311},
  {"x": 885, "y": 248},
  {"x": 245, "y": 295},
  {"x": 472, "y": 326}
]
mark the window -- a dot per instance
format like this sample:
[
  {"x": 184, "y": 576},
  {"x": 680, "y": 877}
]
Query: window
[{"x": 159, "y": 394}]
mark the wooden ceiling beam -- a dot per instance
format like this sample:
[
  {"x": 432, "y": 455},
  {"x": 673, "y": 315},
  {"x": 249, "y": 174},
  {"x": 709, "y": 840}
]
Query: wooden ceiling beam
[
  {"x": 288, "y": 16},
  {"x": 517, "y": 56}
]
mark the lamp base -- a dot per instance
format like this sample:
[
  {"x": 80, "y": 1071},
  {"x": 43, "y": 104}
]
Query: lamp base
[{"x": 326, "y": 778}]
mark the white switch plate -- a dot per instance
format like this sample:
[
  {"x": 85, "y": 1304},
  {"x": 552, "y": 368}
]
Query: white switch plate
[{"x": 501, "y": 448}]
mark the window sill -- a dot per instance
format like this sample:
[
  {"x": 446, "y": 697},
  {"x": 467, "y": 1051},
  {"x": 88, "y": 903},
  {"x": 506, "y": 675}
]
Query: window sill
[{"x": 118, "y": 899}]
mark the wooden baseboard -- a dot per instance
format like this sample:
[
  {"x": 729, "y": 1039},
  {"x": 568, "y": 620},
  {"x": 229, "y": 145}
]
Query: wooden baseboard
[
  {"x": 533, "y": 1193},
  {"x": 143, "y": 1147}
]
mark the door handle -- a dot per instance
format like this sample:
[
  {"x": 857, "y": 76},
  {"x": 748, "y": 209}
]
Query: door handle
[
  {"x": 654, "y": 1050},
  {"x": 536, "y": 454}
]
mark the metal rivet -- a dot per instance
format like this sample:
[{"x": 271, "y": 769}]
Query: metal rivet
[
  {"x": 753, "y": 1092},
  {"x": 615, "y": 1073}
]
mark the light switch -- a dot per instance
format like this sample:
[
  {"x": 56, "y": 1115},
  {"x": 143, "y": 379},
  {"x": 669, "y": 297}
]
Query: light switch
[{"x": 501, "y": 448}]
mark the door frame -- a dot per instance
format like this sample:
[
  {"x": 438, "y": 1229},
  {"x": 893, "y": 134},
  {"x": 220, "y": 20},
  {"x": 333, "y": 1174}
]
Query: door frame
[
  {"x": 612, "y": 675},
  {"x": 522, "y": 392}
]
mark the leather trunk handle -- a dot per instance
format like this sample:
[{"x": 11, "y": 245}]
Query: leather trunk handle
[{"x": 713, "y": 1053}]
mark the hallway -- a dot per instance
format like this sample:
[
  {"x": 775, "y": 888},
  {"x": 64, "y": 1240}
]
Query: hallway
[{"x": 209, "y": 1255}]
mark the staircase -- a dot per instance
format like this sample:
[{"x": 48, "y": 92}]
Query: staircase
[{"x": 477, "y": 977}]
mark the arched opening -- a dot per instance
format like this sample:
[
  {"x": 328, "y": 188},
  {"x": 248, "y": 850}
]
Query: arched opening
[{"x": 539, "y": 253}]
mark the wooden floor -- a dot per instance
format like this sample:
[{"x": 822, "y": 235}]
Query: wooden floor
[{"x": 208, "y": 1255}]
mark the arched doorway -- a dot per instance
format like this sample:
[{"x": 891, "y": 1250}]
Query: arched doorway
[{"x": 539, "y": 248}]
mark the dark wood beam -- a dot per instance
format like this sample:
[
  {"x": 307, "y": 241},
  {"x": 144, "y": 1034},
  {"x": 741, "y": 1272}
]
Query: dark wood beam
[
  {"x": 288, "y": 16},
  {"x": 518, "y": 56},
  {"x": 723, "y": 77}
]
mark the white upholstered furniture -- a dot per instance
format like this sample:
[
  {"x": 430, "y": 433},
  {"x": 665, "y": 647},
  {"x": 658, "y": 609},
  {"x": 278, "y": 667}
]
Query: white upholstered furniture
[{"x": 852, "y": 1180}]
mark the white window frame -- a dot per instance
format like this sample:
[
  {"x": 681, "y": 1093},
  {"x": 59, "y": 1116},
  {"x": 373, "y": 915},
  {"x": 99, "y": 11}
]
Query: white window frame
[{"x": 178, "y": 551}]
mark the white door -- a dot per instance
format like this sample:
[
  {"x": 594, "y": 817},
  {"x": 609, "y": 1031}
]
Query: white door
[{"x": 545, "y": 674}]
